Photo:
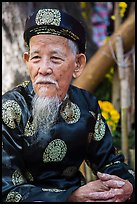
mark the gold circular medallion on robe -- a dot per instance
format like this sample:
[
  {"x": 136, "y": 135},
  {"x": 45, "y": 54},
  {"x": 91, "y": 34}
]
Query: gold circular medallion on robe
[
  {"x": 70, "y": 113},
  {"x": 17, "y": 177},
  {"x": 55, "y": 151},
  {"x": 13, "y": 197},
  {"x": 100, "y": 128},
  {"x": 11, "y": 112}
]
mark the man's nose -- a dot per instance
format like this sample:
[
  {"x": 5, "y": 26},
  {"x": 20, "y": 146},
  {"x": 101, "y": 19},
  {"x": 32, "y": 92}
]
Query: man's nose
[{"x": 45, "y": 68}]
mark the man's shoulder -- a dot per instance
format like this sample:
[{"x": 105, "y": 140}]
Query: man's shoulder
[
  {"x": 17, "y": 93},
  {"x": 83, "y": 93},
  {"x": 84, "y": 97},
  {"x": 15, "y": 103}
]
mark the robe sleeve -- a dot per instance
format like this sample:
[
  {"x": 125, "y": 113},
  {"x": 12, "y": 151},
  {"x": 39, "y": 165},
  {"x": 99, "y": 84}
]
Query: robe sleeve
[{"x": 102, "y": 155}]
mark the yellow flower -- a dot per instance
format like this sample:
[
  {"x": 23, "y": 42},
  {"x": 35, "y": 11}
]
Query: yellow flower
[
  {"x": 113, "y": 17},
  {"x": 115, "y": 116},
  {"x": 106, "y": 106},
  {"x": 122, "y": 11},
  {"x": 123, "y": 7},
  {"x": 100, "y": 103},
  {"x": 83, "y": 4},
  {"x": 110, "y": 123},
  {"x": 110, "y": 114},
  {"x": 84, "y": 15},
  {"x": 123, "y": 4},
  {"x": 110, "y": 74},
  {"x": 105, "y": 115}
]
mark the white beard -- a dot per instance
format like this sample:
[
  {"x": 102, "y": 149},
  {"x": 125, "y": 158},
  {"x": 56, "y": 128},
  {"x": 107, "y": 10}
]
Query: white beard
[{"x": 45, "y": 112}]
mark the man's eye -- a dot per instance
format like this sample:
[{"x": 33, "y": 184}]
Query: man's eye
[
  {"x": 56, "y": 59},
  {"x": 35, "y": 57}
]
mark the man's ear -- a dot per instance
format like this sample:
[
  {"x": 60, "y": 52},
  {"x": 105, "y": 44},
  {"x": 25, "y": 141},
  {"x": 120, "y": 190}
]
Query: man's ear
[
  {"x": 80, "y": 65},
  {"x": 26, "y": 57}
]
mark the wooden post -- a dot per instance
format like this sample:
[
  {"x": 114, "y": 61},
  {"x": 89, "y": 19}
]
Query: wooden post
[
  {"x": 124, "y": 97},
  {"x": 115, "y": 82}
]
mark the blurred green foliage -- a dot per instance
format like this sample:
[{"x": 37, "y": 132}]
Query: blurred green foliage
[{"x": 104, "y": 89}]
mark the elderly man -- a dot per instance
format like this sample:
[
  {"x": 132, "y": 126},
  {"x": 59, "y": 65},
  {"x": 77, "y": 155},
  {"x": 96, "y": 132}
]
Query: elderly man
[{"x": 50, "y": 127}]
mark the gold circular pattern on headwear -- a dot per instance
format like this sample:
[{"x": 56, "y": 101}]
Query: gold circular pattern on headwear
[
  {"x": 99, "y": 128},
  {"x": 11, "y": 112},
  {"x": 17, "y": 177},
  {"x": 13, "y": 197},
  {"x": 70, "y": 113},
  {"x": 48, "y": 17},
  {"x": 55, "y": 151}
]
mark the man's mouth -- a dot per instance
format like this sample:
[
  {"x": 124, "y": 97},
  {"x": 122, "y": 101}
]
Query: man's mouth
[{"x": 44, "y": 83}]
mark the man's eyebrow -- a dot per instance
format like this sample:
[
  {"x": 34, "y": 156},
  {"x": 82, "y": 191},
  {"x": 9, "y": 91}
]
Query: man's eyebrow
[
  {"x": 35, "y": 52},
  {"x": 57, "y": 51}
]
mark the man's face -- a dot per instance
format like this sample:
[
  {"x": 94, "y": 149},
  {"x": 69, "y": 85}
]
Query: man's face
[{"x": 51, "y": 64}]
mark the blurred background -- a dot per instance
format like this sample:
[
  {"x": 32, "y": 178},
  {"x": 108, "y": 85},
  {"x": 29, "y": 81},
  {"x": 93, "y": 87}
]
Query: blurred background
[{"x": 110, "y": 69}]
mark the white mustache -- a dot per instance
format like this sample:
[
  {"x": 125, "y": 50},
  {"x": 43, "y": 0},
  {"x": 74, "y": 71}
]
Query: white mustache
[{"x": 45, "y": 80}]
